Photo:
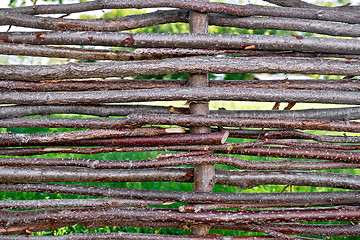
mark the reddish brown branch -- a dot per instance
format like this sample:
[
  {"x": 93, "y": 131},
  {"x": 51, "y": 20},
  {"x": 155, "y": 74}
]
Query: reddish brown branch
[
  {"x": 242, "y": 149},
  {"x": 283, "y": 152},
  {"x": 178, "y": 161},
  {"x": 182, "y": 120},
  {"x": 127, "y": 84},
  {"x": 72, "y": 139},
  {"x": 11, "y": 139},
  {"x": 192, "y": 65},
  {"x": 344, "y": 114},
  {"x": 239, "y": 10},
  {"x": 241, "y": 179},
  {"x": 291, "y": 24},
  {"x": 111, "y": 25},
  {"x": 162, "y": 17},
  {"x": 122, "y": 55},
  {"x": 289, "y": 134},
  {"x": 75, "y": 203},
  {"x": 272, "y": 200},
  {"x": 172, "y": 94},
  {"x": 240, "y": 217},
  {"x": 194, "y": 40}
]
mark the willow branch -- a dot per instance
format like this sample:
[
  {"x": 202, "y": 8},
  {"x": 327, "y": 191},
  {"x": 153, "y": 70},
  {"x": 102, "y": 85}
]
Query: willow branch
[
  {"x": 241, "y": 179},
  {"x": 9, "y": 139},
  {"x": 238, "y": 10},
  {"x": 76, "y": 203},
  {"x": 254, "y": 150},
  {"x": 172, "y": 94},
  {"x": 247, "y": 179},
  {"x": 290, "y": 134},
  {"x": 303, "y": 4},
  {"x": 162, "y": 17},
  {"x": 111, "y": 25},
  {"x": 128, "y": 84},
  {"x": 273, "y": 200},
  {"x": 178, "y": 161},
  {"x": 95, "y": 110},
  {"x": 193, "y": 40},
  {"x": 68, "y": 174},
  {"x": 180, "y": 65},
  {"x": 309, "y": 145},
  {"x": 72, "y": 139},
  {"x": 240, "y": 217},
  {"x": 342, "y": 114},
  {"x": 144, "y": 53},
  {"x": 183, "y": 120},
  {"x": 96, "y": 54},
  {"x": 284, "y": 152},
  {"x": 299, "y": 229},
  {"x": 290, "y": 24}
]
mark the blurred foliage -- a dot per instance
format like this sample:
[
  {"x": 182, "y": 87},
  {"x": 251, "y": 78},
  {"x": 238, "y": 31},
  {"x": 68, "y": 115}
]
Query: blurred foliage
[{"x": 21, "y": 3}]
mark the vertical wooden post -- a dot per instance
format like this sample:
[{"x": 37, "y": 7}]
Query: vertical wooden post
[{"x": 203, "y": 174}]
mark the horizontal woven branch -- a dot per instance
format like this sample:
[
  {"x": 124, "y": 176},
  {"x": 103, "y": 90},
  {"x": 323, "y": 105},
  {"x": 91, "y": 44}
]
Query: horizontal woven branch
[
  {"x": 343, "y": 114},
  {"x": 181, "y": 65},
  {"x": 241, "y": 179},
  {"x": 171, "y": 16},
  {"x": 352, "y": 85},
  {"x": 193, "y": 40},
  {"x": 182, "y": 120},
  {"x": 336, "y": 15},
  {"x": 173, "y": 94},
  {"x": 179, "y": 161}
]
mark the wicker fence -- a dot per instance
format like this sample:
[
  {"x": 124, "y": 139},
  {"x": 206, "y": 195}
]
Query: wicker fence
[{"x": 192, "y": 135}]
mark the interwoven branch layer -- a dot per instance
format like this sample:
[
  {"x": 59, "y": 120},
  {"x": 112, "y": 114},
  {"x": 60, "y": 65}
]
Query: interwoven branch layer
[{"x": 108, "y": 94}]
